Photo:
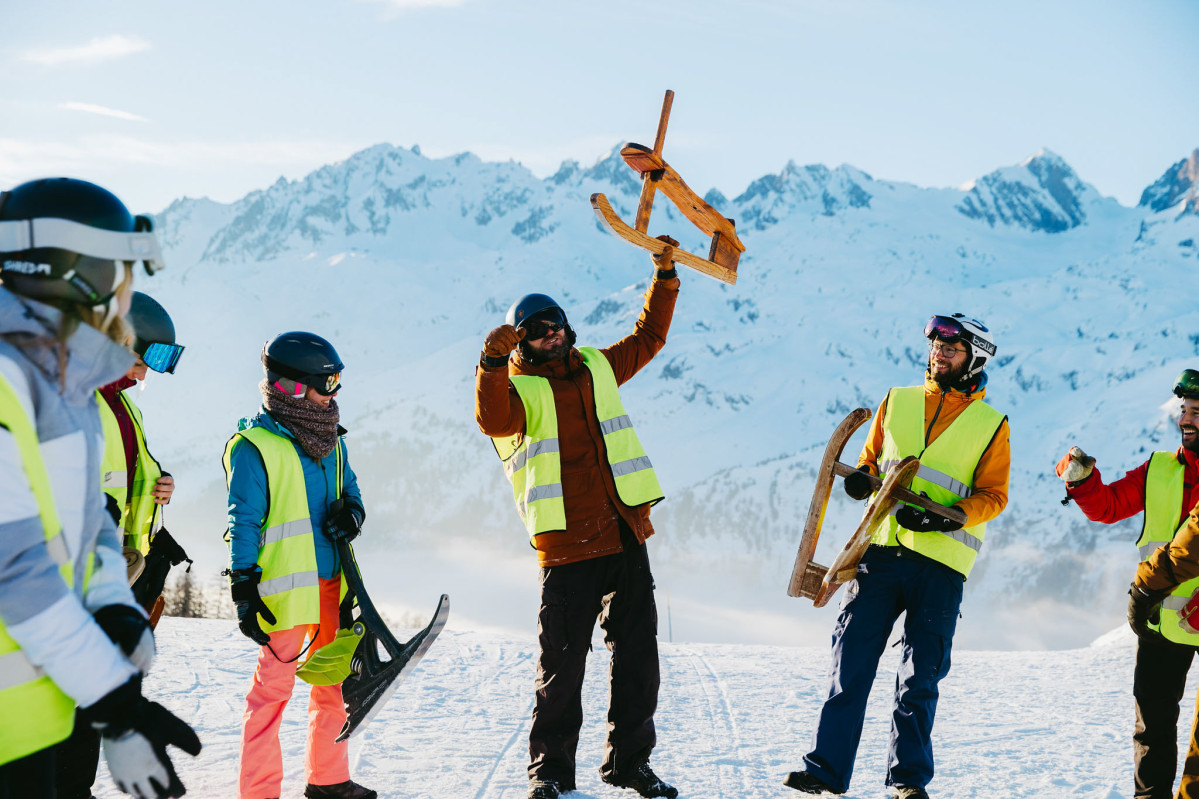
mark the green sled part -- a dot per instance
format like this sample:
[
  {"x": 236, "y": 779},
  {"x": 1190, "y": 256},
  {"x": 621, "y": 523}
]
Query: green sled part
[{"x": 331, "y": 664}]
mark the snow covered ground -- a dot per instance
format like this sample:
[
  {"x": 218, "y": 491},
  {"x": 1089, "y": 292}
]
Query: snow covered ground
[{"x": 732, "y": 720}]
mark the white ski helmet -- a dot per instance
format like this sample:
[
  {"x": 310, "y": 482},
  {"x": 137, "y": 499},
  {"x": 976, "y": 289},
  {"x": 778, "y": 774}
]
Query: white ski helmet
[{"x": 971, "y": 332}]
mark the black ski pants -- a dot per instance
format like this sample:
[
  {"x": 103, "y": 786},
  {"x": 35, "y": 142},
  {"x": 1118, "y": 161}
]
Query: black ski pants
[
  {"x": 78, "y": 758},
  {"x": 618, "y": 590},
  {"x": 31, "y": 776},
  {"x": 1158, "y": 685}
]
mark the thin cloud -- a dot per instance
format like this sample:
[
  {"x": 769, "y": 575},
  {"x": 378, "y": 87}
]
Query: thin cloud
[
  {"x": 89, "y": 108},
  {"x": 394, "y": 8},
  {"x": 102, "y": 48}
]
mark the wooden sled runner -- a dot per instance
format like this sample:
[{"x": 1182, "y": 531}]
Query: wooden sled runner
[
  {"x": 818, "y": 583},
  {"x": 657, "y": 175}
]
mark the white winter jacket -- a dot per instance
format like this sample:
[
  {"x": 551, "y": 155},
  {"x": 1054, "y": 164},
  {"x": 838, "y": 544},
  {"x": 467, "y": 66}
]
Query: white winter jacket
[{"x": 53, "y": 623}]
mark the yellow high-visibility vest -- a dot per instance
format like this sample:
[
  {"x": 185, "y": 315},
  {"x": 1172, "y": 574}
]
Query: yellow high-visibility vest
[
  {"x": 946, "y": 472},
  {"x": 1164, "y": 495},
  {"x": 286, "y": 553},
  {"x": 34, "y": 712},
  {"x": 532, "y": 461},
  {"x": 140, "y": 514}
]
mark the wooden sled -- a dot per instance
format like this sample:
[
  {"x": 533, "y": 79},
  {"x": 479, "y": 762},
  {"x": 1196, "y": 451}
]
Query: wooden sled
[
  {"x": 657, "y": 175},
  {"x": 845, "y": 566},
  {"x": 807, "y": 576}
]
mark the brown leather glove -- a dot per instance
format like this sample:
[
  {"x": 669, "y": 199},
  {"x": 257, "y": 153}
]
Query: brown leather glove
[
  {"x": 501, "y": 341},
  {"x": 665, "y": 259}
]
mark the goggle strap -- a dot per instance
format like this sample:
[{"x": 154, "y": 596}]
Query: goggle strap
[{"x": 63, "y": 234}]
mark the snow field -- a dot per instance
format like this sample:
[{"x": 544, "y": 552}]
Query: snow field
[{"x": 732, "y": 719}]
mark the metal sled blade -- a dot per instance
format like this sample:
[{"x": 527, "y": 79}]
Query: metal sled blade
[{"x": 373, "y": 681}]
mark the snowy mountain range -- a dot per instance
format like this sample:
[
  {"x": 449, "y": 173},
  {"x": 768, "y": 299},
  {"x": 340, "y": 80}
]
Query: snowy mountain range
[{"x": 406, "y": 262}]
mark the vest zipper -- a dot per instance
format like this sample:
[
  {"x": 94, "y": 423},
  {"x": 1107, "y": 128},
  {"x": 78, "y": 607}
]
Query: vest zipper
[{"x": 928, "y": 433}]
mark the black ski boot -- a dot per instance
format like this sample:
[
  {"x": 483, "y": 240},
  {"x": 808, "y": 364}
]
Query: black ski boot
[
  {"x": 642, "y": 779},
  {"x": 804, "y": 782},
  {"x": 342, "y": 790},
  {"x": 908, "y": 792},
  {"x": 543, "y": 789}
]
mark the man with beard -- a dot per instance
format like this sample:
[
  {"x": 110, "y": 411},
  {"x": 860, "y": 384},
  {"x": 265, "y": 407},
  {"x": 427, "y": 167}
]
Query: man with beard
[
  {"x": 1166, "y": 488},
  {"x": 583, "y": 487},
  {"x": 917, "y": 561}
]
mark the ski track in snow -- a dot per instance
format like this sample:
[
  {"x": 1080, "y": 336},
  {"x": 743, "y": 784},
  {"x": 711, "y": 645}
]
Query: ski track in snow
[{"x": 732, "y": 719}]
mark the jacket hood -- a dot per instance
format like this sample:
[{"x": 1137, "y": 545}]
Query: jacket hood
[{"x": 93, "y": 359}]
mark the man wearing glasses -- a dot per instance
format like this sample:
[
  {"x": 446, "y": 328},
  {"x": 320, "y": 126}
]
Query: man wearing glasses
[
  {"x": 917, "y": 561},
  {"x": 583, "y": 488},
  {"x": 1166, "y": 488}
]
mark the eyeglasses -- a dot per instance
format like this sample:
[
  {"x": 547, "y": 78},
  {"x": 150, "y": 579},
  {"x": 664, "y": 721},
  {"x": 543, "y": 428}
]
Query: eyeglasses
[
  {"x": 162, "y": 357},
  {"x": 1187, "y": 384},
  {"x": 944, "y": 348}
]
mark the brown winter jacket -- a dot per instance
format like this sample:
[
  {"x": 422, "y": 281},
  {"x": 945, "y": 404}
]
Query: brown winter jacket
[
  {"x": 990, "y": 476},
  {"x": 588, "y": 488},
  {"x": 1173, "y": 563}
]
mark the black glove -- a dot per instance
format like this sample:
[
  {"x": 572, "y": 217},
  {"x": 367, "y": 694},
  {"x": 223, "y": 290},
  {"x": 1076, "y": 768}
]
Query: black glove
[
  {"x": 344, "y": 521},
  {"x": 164, "y": 553},
  {"x": 135, "y": 733},
  {"x": 1144, "y": 608},
  {"x": 130, "y": 630},
  {"x": 243, "y": 585},
  {"x": 857, "y": 484},
  {"x": 924, "y": 521}
]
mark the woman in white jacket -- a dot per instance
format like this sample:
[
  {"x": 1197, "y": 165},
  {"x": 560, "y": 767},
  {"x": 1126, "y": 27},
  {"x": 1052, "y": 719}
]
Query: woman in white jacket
[{"x": 71, "y": 634}]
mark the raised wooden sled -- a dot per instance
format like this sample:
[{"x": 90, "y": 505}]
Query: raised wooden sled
[
  {"x": 807, "y": 576},
  {"x": 657, "y": 175}
]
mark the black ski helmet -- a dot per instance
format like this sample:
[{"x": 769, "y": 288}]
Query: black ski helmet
[
  {"x": 304, "y": 358},
  {"x": 151, "y": 323},
  {"x": 61, "y": 239},
  {"x": 529, "y": 305}
]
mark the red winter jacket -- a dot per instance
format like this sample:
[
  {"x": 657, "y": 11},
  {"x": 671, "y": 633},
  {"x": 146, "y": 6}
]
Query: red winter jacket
[{"x": 1126, "y": 496}]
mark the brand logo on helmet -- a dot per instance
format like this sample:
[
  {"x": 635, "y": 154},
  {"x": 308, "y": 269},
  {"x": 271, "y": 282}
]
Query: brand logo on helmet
[
  {"x": 982, "y": 344},
  {"x": 27, "y": 267}
]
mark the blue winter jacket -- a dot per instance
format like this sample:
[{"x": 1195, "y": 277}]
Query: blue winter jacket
[{"x": 248, "y": 498}]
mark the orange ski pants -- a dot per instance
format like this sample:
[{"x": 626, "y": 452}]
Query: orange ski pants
[{"x": 327, "y": 763}]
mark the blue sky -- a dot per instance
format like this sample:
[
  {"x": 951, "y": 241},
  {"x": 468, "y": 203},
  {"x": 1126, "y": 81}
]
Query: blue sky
[{"x": 158, "y": 100}]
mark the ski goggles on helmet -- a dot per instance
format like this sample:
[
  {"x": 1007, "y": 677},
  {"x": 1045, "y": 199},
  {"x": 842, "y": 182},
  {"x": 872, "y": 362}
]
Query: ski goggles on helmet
[
  {"x": 945, "y": 328},
  {"x": 20, "y": 235},
  {"x": 544, "y": 323},
  {"x": 325, "y": 385},
  {"x": 162, "y": 357},
  {"x": 1187, "y": 384}
]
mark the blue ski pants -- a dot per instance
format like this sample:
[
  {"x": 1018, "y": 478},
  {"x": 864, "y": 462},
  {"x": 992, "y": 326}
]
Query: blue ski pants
[{"x": 890, "y": 582}]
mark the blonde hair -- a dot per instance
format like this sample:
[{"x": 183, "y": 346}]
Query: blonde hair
[{"x": 103, "y": 318}]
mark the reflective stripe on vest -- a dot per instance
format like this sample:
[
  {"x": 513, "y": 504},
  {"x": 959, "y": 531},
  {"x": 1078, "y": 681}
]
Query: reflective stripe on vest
[
  {"x": 946, "y": 472},
  {"x": 286, "y": 553},
  {"x": 532, "y": 462},
  {"x": 140, "y": 515},
  {"x": 1164, "y": 497},
  {"x": 34, "y": 713}
]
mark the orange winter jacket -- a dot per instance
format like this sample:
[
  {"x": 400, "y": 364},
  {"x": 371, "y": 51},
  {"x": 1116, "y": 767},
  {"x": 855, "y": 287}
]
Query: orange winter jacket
[
  {"x": 593, "y": 508},
  {"x": 990, "y": 477}
]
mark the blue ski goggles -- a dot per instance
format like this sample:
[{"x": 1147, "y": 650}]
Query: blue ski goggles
[{"x": 162, "y": 357}]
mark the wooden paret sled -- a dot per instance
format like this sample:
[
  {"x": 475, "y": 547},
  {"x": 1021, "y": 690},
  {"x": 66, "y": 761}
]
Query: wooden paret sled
[
  {"x": 818, "y": 583},
  {"x": 657, "y": 175}
]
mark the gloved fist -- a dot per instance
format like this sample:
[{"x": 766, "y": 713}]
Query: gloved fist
[
  {"x": 135, "y": 733},
  {"x": 1144, "y": 608},
  {"x": 665, "y": 259},
  {"x": 858, "y": 485},
  {"x": 501, "y": 341},
  {"x": 924, "y": 521},
  {"x": 1075, "y": 466},
  {"x": 344, "y": 521},
  {"x": 243, "y": 585},
  {"x": 129, "y": 629}
]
